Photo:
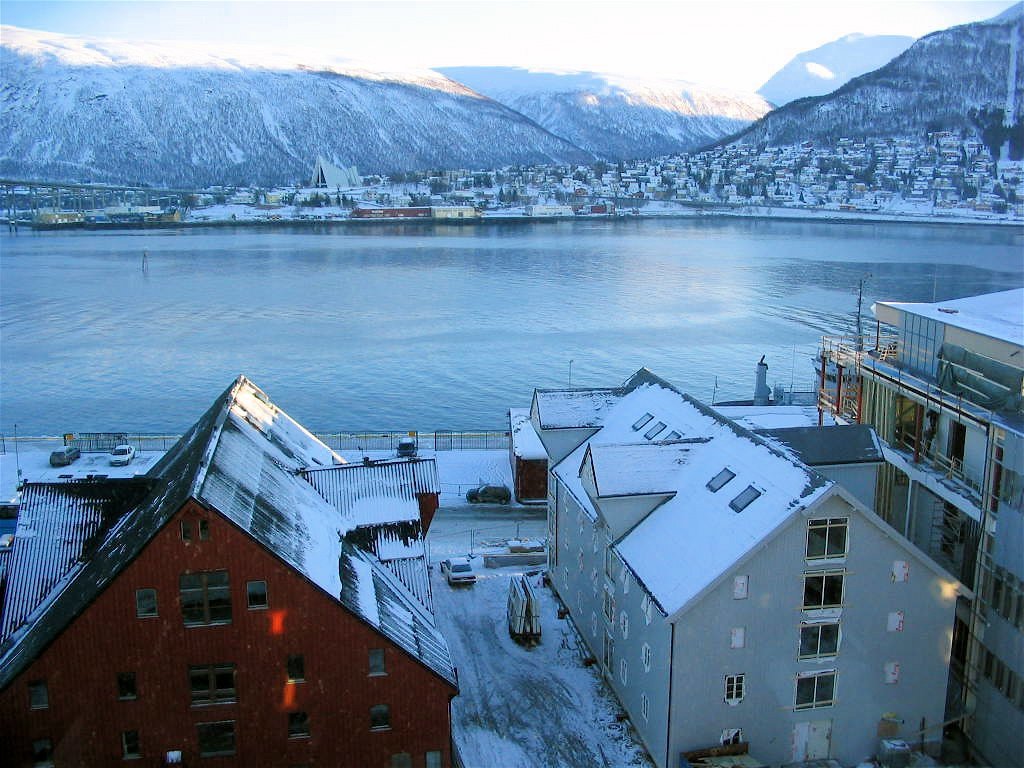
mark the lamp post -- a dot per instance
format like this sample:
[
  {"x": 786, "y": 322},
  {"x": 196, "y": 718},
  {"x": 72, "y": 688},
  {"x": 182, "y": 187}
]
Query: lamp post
[{"x": 570, "y": 373}]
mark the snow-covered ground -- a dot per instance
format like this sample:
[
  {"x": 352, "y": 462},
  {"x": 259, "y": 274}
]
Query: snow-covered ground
[{"x": 524, "y": 707}]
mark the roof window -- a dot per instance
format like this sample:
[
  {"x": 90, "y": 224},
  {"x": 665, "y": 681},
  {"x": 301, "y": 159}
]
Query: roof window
[
  {"x": 655, "y": 430},
  {"x": 639, "y": 423},
  {"x": 673, "y": 435},
  {"x": 747, "y": 495},
  {"x": 716, "y": 483}
]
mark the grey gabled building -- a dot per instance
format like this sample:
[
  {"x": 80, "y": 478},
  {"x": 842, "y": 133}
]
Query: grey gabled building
[{"x": 730, "y": 593}]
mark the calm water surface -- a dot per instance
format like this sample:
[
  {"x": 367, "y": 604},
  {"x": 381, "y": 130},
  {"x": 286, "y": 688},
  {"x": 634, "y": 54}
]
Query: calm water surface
[{"x": 442, "y": 327}]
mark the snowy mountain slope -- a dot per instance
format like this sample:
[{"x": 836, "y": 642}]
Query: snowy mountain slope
[
  {"x": 822, "y": 70},
  {"x": 72, "y": 108},
  {"x": 939, "y": 83},
  {"x": 615, "y": 117}
]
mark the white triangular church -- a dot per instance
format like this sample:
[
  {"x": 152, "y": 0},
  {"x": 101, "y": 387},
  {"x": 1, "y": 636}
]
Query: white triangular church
[{"x": 327, "y": 175}]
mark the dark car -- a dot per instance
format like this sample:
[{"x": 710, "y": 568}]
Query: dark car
[
  {"x": 64, "y": 456},
  {"x": 489, "y": 494},
  {"x": 406, "y": 447}
]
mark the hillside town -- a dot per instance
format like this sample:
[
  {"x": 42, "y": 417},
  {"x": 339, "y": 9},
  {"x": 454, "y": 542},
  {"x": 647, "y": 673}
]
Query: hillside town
[{"x": 945, "y": 178}]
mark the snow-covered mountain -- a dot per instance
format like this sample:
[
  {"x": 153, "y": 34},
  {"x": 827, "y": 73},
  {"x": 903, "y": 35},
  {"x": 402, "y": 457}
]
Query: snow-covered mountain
[
  {"x": 821, "y": 71},
  {"x": 77, "y": 108},
  {"x": 962, "y": 78},
  {"x": 614, "y": 117}
]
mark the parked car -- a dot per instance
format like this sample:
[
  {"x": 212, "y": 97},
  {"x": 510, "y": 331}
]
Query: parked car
[
  {"x": 64, "y": 456},
  {"x": 122, "y": 456},
  {"x": 458, "y": 570},
  {"x": 489, "y": 494},
  {"x": 406, "y": 447}
]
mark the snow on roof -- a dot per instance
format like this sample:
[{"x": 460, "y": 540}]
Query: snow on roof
[
  {"x": 627, "y": 470},
  {"x": 525, "y": 442},
  {"x": 773, "y": 416},
  {"x": 378, "y": 492},
  {"x": 249, "y": 482},
  {"x": 573, "y": 408},
  {"x": 372, "y": 592},
  {"x": 684, "y": 545},
  {"x": 997, "y": 315}
]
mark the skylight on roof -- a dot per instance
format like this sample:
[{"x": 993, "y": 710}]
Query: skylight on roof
[
  {"x": 716, "y": 483},
  {"x": 673, "y": 435},
  {"x": 639, "y": 423},
  {"x": 655, "y": 430},
  {"x": 747, "y": 495}
]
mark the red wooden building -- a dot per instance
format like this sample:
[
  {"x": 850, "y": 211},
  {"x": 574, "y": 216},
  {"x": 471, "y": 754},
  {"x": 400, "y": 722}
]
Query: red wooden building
[{"x": 227, "y": 608}]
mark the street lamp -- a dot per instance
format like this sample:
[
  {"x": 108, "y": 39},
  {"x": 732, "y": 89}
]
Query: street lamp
[{"x": 570, "y": 373}]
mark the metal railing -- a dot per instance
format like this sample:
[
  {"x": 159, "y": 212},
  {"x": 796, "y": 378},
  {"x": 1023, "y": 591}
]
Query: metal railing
[{"x": 382, "y": 440}]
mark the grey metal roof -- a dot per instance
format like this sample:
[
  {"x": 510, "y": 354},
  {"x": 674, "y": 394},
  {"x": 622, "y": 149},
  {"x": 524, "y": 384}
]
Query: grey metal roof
[
  {"x": 58, "y": 523},
  {"x": 244, "y": 458},
  {"x": 824, "y": 446},
  {"x": 373, "y": 593}
]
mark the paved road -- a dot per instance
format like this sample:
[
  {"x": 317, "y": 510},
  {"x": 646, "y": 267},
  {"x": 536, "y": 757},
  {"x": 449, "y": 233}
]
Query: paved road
[{"x": 459, "y": 528}]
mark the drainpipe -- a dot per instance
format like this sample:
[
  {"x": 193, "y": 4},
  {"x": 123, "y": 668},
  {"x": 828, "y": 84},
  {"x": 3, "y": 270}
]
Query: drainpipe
[
  {"x": 668, "y": 711},
  {"x": 821, "y": 385},
  {"x": 918, "y": 418}
]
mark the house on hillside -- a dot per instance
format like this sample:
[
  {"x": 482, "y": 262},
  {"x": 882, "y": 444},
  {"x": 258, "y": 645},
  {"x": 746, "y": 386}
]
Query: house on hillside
[
  {"x": 729, "y": 593},
  {"x": 251, "y": 598}
]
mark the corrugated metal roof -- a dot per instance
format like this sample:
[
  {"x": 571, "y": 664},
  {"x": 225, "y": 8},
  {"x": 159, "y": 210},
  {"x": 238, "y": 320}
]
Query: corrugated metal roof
[
  {"x": 372, "y": 592},
  {"x": 58, "y": 524},
  {"x": 377, "y": 492}
]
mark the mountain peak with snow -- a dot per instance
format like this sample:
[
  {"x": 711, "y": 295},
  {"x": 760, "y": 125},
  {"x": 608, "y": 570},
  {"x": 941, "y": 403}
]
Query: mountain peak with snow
[{"x": 822, "y": 70}]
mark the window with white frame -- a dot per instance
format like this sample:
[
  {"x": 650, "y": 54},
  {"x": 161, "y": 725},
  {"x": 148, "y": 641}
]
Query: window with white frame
[
  {"x": 623, "y": 671},
  {"x": 609, "y": 604},
  {"x": 734, "y": 688},
  {"x": 738, "y": 637},
  {"x": 826, "y": 537},
  {"x": 624, "y": 624},
  {"x": 823, "y": 590},
  {"x": 817, "y": 640},
  {"x": 645, "y": 657},
  {"x": 740, "y": 587},
  {"x": 817, "y": 689},
  {"x": 731, "y": 736},
  {"x": 645, "y": 706}
]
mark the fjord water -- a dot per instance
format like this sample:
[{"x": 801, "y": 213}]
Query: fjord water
[{"x": 443, "y": 327}]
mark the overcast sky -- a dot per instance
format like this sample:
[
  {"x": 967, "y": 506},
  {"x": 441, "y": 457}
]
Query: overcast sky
[{"x": 731, "y": 43}]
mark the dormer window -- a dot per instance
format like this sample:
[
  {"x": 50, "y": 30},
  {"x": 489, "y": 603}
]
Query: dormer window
[
  {"x": 717, "y": 482},
  {"x": 655, "y": 430},
  {"x": 639, "y": 423},
  {"x": 747, "y": 495}
]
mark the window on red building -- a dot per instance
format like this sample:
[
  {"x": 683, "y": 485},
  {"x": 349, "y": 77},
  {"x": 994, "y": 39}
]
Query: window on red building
[
  {"x": 38, "y": 695},
  {"x": 380, "y": 717},
  {"x": 205, "y": 598},
  {"x": 256, "y": 594},
  {"x": 212, "y": 684},
  {"x": 298, "y": 725},
  {"x": 377, "y": 666},
  {"x": 216, "y": 738},
  {"x": 126, "y": 686},
  {"x": 145, "y": 603},
  {"x": 296, "y": 668},
  {"x": 42, "y": 753},
  {"x": 130, "y": 749}
]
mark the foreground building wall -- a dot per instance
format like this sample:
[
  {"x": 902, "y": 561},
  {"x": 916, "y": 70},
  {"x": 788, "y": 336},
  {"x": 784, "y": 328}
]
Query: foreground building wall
[{"x": 322, "y": 716}]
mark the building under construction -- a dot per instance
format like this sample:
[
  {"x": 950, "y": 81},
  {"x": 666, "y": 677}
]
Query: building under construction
[{"x": 942, "y": 385}]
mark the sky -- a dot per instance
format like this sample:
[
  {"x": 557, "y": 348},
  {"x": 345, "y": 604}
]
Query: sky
[{"x": 735, "y": 44}]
